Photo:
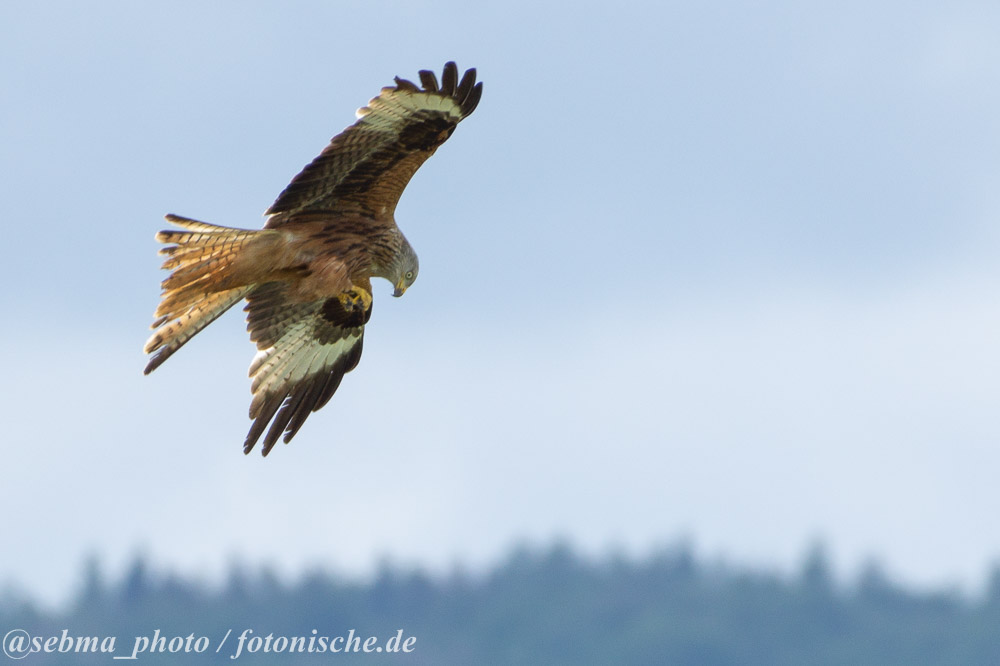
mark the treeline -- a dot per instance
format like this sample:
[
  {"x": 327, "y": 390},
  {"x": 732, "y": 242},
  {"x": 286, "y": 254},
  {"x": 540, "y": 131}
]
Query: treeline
[{"x": 546, "y": 606}]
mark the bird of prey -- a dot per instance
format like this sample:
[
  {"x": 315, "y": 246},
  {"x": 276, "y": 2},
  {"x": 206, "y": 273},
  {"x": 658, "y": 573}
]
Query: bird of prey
[{"x": 306, "y": 276}]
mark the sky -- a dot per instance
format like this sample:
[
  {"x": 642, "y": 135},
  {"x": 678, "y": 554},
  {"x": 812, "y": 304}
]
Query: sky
[{"x": 692, "y": 271}]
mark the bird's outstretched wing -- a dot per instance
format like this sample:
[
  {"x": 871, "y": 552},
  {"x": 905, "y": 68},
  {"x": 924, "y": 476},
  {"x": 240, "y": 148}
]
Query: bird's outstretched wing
[
  {"x": 305, "y": 349},
  {"x": 367, "y": 165}
]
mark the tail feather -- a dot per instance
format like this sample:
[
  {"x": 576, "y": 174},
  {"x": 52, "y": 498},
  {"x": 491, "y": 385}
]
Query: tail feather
[
  {"x": 198, "y": 269},
  {"x": 202, "y": 286},
  {"x": 186, "y": 255},
  {"x": 176, "y": 301},
  {"x": 193, "y": 225},
  {"x": 170, "y": 337}
]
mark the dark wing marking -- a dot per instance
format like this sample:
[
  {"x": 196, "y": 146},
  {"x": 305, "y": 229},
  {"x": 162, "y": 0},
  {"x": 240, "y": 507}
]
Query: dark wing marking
[
  {"x": 305, "y": 351},
  {"x": 370, "y": 162}
]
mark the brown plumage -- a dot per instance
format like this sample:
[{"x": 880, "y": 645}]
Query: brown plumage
[{"x": 307, "y": 274}]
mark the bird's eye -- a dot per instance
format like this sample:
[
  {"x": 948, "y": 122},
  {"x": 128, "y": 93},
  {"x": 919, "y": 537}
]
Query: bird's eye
[{"x": 409, "y": 275}]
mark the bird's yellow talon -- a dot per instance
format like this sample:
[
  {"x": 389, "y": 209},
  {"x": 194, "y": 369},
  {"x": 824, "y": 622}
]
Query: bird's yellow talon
[{"x": 355, "y": 299}]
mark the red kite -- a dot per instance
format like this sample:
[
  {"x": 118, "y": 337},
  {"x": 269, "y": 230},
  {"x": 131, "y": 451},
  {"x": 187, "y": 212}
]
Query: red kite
[{"x": 307, "y": 274}]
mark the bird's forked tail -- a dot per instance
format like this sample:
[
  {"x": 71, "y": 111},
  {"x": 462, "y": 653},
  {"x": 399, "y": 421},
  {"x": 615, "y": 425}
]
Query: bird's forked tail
[{"x": 207, "y": 280}]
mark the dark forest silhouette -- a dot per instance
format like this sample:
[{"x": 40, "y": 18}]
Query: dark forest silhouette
[{"x": 539, "y": 606}]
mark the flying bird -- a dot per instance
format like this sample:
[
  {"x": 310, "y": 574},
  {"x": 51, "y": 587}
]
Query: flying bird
[{"x": 306, "y": 276}]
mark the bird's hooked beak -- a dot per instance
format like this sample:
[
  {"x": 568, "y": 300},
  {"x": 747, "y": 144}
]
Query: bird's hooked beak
[{"x": 400, "y": 290}]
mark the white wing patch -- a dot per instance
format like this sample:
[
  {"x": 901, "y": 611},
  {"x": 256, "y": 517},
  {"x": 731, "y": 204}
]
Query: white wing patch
[
  {"x": 394, "y": 106},
  {"x": 298, "y": 354}
]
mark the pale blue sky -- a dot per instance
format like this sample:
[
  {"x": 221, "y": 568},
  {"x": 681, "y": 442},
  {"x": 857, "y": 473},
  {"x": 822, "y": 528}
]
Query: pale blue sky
[{"x": 691, "y": 269}]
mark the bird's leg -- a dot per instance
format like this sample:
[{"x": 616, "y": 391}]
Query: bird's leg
[{"x": 356, "y": 299}]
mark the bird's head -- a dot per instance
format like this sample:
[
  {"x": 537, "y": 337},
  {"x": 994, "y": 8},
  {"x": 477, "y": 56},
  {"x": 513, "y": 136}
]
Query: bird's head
[{"x": 405, "y": 269}]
